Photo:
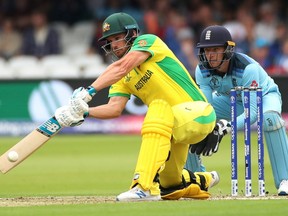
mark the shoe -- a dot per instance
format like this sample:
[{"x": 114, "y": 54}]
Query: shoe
[
  {"x": 137, "y": 194},
  {"x": 210, "y": 179},
  {"x": 283, "y": 188},
  {"x": 215, "y": 179}
]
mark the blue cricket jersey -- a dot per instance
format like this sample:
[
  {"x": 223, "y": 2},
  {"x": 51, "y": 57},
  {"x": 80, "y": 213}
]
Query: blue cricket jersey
[{"x": 243, "y": 71}]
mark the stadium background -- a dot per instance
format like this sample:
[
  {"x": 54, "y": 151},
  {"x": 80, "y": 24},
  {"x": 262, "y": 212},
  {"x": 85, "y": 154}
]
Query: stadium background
[{"x": 31, "y": 89}]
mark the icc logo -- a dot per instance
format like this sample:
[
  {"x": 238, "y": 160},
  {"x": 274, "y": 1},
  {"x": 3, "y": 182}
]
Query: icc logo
[{"x": 246, "y": 99}]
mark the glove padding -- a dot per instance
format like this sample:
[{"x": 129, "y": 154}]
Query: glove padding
[
  {"x": 210, "y": 144},
  {"x": 79, "y": 107},
  {"x": 70, "y": 116},
  {"x": 84, "y": 94}
]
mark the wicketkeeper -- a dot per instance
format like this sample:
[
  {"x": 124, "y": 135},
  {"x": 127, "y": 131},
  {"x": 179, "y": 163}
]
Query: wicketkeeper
[{"x": 220, "y": 69}]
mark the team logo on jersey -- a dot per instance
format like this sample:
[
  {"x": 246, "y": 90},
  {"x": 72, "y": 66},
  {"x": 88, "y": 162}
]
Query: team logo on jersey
[
  {"x": 214, "y": 82},
  {"x": 254, "y": 84},
  {"x": 106, "y": 27},
  {"x": 208, "y": 35},
  {"x": 142, "y": 43}
]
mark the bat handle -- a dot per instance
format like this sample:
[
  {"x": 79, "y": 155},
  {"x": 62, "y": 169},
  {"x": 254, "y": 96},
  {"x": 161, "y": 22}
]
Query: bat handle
[{"x": 50, "y": 127}]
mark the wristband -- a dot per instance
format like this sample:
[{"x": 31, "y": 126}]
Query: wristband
[
  {"x": 91, "y": 90},
  {"x": 86, "y": 114}
]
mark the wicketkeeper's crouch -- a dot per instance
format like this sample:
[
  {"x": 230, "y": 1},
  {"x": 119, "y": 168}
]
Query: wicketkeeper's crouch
[
  {"x": 178, "y": 114},
  {"x": 220, "y": 69}
]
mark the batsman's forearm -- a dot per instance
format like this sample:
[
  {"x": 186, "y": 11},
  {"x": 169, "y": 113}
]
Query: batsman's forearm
[
  {"x": 111, "y": 75},
  {"x": 118, "y": 69},
  {"x": 103, "y": 112}
]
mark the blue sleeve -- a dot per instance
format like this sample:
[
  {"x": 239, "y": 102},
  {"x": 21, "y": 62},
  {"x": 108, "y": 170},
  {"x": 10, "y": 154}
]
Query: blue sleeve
[{"x": 203, "y": 84}]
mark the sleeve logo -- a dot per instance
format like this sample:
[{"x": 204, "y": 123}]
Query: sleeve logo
[
  {"x": 142, "y": 43},
  {"x": 254, "y": 84}
]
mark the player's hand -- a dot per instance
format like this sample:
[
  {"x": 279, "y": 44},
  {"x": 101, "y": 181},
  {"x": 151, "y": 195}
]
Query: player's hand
[
  {"x": 66, "y": 117},
  {"x": 210, "y": 144},
  {"x": 85, "y": 94},
  {"x": 79, "y": 107}
]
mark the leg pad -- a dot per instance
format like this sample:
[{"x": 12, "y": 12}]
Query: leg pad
[{"x": 155, "y": 146}]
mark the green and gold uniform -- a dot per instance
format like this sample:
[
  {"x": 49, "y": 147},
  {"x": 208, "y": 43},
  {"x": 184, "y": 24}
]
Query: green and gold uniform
[
  {"x": 178, "y": 112},
  {"x": 162, "y": 76}
]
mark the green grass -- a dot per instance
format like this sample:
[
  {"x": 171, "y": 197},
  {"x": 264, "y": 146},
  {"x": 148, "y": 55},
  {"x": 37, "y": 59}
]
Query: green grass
[
  {"x": 169, "y": 208},
  {"x": 103, "y": 165}
]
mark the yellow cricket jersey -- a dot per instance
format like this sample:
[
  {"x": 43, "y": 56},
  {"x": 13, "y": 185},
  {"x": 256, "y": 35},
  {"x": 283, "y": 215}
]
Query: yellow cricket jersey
[{"x": 162, "y": 76}]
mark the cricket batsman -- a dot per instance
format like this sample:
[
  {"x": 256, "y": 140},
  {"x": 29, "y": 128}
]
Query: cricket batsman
[{"x": 178, "y": 113}]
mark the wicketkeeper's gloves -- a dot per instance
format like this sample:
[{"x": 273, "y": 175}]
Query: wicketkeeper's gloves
[{"x": 210, "y": 144}]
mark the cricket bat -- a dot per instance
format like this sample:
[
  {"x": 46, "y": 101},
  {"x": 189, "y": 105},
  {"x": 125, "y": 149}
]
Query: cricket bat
[{"x": 30, "y": 144}]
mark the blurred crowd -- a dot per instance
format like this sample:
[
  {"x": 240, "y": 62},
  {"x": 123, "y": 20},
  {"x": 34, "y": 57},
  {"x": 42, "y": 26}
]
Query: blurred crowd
[{"x": 259, "y": 28}]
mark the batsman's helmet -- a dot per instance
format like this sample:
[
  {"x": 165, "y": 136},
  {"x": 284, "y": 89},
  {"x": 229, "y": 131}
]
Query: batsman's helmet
[
  {"x": 215, "y": 36},
  {"x": 118, "y": 23}
]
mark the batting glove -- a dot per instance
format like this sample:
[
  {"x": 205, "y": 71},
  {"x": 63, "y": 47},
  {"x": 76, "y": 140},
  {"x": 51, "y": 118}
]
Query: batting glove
[
  {"x": 84, "y": 94},
  {"x": 79, "y": 107},
  {"x": 66, "y": 117},
  {"x": 210, "y": 144}
]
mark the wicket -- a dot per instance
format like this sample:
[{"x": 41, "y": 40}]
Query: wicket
[{"x": 247, "y": 141}]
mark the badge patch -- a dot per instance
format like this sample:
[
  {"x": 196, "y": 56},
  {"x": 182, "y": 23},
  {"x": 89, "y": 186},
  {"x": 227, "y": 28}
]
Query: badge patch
[
  {"x": 208, "y": 35},
  {"x": 142, "y": 43},
  {"x": 106, "y": 27},
  {"x": 214, "y": 82},
  {"x": 254, "y": 84}
]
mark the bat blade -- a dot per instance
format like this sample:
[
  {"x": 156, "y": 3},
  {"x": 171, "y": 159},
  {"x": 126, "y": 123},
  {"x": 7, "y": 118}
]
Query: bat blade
[{"x": 30, "y": 144}]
